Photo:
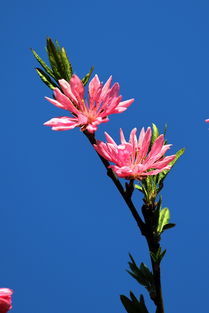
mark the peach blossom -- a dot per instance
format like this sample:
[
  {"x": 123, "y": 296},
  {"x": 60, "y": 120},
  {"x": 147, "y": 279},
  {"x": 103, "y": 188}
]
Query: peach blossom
[
  {"x": 103, "y": 101},
  {"x": 136, "y": 158},
  {"x": 5, "y": 299}
]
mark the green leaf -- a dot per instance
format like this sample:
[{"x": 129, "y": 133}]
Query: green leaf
[
  {"x": 162, "y": 254},
  {"x": 162, "y": 175},
  {"x": 138, "y": 187},
  {"x": 134, "y": 299},
  {"x": 87, "y": 77},
  {"x": 43, "y": 64},
  {"x": 165, "y": 129},
  {"x": 134, "y": 305},
  {"x": 46, "y": 79},
  {"x": 178, "y": 155},
  {"x": 139, "y": 278},
  {"x": 67, "y": 64},
  {"x": 164, "y": 217},
  {"x": 142, "y": 304},
  {"x": 54, "y": 59},
  {"x": 155, "y": 133},
  {"x": 168, "y": 226},
  {"x": 127, "y": 304},
  {"x": 142, "y": 275},
  {"x": 146, "y": 272},
  {"x": 158, "y": 256}
]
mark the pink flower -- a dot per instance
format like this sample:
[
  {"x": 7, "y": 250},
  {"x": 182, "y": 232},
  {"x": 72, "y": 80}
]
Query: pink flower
[
  {"x": 103, "y": 100},
  {"x": 5, "y": 299},
  {"x": 136, "y": 159},
  {"x": 207, "y": 121}
]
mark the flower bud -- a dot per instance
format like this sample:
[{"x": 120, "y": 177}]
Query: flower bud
[{"x": 5, "y": 299}]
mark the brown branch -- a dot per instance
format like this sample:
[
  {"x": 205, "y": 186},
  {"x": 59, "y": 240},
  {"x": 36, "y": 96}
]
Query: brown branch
[
  {"x": 145, "y": 228},
  {"x": 154, "y": 246},
  {"x": 124, "y": 193}
]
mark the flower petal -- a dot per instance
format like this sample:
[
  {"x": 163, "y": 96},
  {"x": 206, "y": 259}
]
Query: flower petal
[
  {"x": 122, "y": 106},
  {"x": 62, "y": 123},
  {"x": 131, "y": 159},
  {"x": 77, "y": 88}
]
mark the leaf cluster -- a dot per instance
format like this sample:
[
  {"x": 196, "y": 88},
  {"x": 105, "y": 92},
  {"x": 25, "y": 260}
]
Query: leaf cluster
[
  {"x": 153, "y": 184},
  {"x": 133, "y": 305},
  {"x": 143, "y": 276},
  {"x": 60, "y": 65}
]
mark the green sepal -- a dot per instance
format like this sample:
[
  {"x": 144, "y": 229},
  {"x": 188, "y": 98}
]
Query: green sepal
[
  {"x": 155, "y": 133},
  {"x": 164, "y": 217},
  {"x": 134, "y": 305},
  {"x": 46, "y": 79},
  {"x": 149, "y": 189},
  {"x": 158, "y": 256},
  {"x": 87, "y": 77}
]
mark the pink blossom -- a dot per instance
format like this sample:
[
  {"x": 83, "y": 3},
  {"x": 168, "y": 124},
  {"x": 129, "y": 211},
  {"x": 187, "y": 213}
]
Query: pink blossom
[
  {"x": 207, "y": 121},
  {"x": 136, "y": 159},
  {"x": 103, "y": 100},
  {"x": 5, "y": 299}
]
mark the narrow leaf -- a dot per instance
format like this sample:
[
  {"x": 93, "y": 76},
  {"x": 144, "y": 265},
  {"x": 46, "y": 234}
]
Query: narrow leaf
[
  {"x": 162, "y": 175},
  {"x": 155, "y": 133},
  {"x": 134, "y": 305},
  {"x": 43, "y": 64},
  {"x": 134, "y": 299},
  {"x": 87, "y": 77},
  {"x": 142, "y": 304},
  {"x": 139, "y": 278},
  {"x": 132, "y": 259},
  {"x": 127, "y": 304},
  {"x": 168, "y": 226},
  {"x": 157, "y": 257},
  {"x": 164, "y": 217},
  {"x": 178, "y": 155},
  {"x": 146, "y": 272},
  {"x": 165, "y": 129},
  {"x": 138, "y": 187},
  {"x": 46, "y": 79},
  {"x": 67, "y": 64},
  {"x": 54, "y": 59},
  {"x": 162, "y": 255}
]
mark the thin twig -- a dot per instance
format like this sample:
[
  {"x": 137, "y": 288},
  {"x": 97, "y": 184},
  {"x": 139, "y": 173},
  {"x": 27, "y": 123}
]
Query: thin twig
[
  {"x": 126, "y": 196},
  {"x": 154, "y": 246},
  {"x": 144, "y": 227}
]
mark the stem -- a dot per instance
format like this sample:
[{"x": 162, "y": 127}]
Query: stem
[
  {"x": 125, "y": 194},
  {"x": 157, "y": 278},
  {"x": 145, "y": 228},
  {"x": 154, "y": 246}
]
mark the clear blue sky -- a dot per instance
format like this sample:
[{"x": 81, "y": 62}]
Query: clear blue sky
[{"x": 65, "y": 231}]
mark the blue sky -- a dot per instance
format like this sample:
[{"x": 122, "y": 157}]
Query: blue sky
[{"x": 65, "y": 231}]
